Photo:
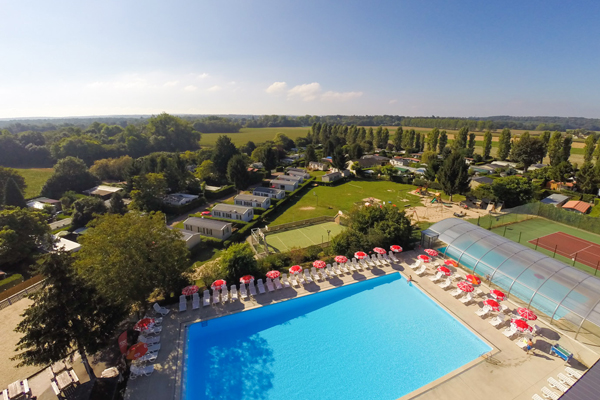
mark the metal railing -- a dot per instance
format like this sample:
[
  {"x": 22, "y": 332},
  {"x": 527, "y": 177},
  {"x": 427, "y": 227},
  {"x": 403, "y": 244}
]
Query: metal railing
[{"x": 21, "y": 295}]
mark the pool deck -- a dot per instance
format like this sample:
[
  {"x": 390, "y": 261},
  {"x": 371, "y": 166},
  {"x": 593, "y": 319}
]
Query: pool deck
[{"x": 509, "y": 374}]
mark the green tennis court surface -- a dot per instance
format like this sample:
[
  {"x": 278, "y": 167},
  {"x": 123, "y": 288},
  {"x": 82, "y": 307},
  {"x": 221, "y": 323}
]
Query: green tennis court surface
[
  {"x": 526, "y": 232},
  {"x": 280, "y": 242}
]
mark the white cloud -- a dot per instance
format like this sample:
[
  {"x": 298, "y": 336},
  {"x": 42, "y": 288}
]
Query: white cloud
[
  {"x": 215, "y": 88},
  {"x": 232, "y": 83},
  {"x": 394, "y": 101},
  {"x": 202, "y": 75},
  {"x": 306, "y": 92},
  {"x": 190, "y": 88},
  {"x": 171, "y": 83},
  {"x": 340, "y": 96},
  {"x": 276, "y": 87}
]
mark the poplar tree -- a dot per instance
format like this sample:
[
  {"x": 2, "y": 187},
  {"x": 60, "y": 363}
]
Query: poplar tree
[
  {"x": 432, "y": 139},
  {"x": 588, "y": 150},
  {"x": 385, "y": 138},
  {"x": 487, "y": 144},
  {"x": 454, "y": 175},
  {"x": 471, "y": 146},
  {"x": 370, "y": 136},
  {"x": 504, "y": 144},
  {"x": 443, "y": 141},
  {"x": 545, "y": 138},
  {"x": 460, "y": 139},
  {"x": 378, "y": 137},
  {"x": 566, "y": 148},
  {"x": 418, "y": 142},
  {"x": 398, "y": 138},
  {"x": 555, "y": 149}
]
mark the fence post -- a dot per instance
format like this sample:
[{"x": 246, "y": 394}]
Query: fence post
[
  {"x": 597, "y": 266},
  {"x": 504, "y": 234},
  {"x": 478, "y": 218},
  {"x": 537, "y": 241},
  {"x": 574, "y": 259},
  {"x": 520, "y": 232},
  {"x": 554, "y": 255}
]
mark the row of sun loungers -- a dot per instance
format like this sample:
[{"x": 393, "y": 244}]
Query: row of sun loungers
[{"x": 562, "y": 384}]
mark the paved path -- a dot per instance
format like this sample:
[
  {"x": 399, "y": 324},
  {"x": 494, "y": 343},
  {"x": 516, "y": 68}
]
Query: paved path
[
  {"x": 515, "y": 376},
  {"x": 60, "y": 224}
]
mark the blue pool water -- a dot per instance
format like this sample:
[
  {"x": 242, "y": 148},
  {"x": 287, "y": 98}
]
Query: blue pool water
[{"x": 377, "y": 339}]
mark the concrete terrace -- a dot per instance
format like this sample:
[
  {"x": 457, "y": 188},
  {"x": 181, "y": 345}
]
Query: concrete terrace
[{"x": 510, "y": 374}]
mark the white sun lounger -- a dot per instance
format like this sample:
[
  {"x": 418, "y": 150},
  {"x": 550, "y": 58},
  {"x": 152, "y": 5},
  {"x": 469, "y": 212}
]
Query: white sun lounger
[
  {"x": 234, "y": 293},
  {"x": 498, "y": 320},
  {"x": 482, "y": 312},
  {"x": 216, "y": 299},
  {"x": 307, "y": 276},
  {"x": 350, "y": 265},
  {"x": 386, "y": 258},
  {"x": 336, "y": 270},
  {"x": 456, "y": 292},
  {"x": 371, "y": 262},
  {"x": 195, "y": 301},
  {"x": 446, "y": 284},
  {"x": 148, "y": 357},
  {"x": 136, "y": 371},
  {"x": 510, "y": 332},
  {"x": 182, "y": 303},
  {"x": 261, "y": 286},
  {"x": 277, "y": 283},
  {"x": 224, "y": 294},
  {"x": 393, "y": 257},
  {"x": 270, "y": 286},
  {"x": 293, "y": 280},
  {"x": 466, "y": 299},
  {"x": 315, "y": 274},
  {"x": 421, "y": 271},
  {"x": 153, "y": 331},
  {"x": 549, "y": 394},
  {"x": 574, "y": 372},
  {"x": 284, "y": 280},
  {"x": 206, "y": 298},
  {"x": 536, "y": 397},
  {"x": 154, "y": 348},
  {"x": 243, "y": 291},
  {"x": 148, "y": 340},
  {"x": 436, "y": 277},
  {"x": 356, "y": 264},
  {"x": 382, "y": 259},
  {"x": 557, "y": 385},
  {"x": 252, "y": 288},
  {"x": 300, "y": 278},
  {"x": 157, "y": 321},
  {"x": 566, "y": 380},
  {"x": 160, "y": 310},
  {"x": 341, "y": 267},
  {"x": 415, "y": 265},
  {"x": 375, "y": 260},
  {"x": 55, "y": 389}
]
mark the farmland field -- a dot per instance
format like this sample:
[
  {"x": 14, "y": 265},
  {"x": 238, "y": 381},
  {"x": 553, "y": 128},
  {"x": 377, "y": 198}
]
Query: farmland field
[
  {"x": 35, "y": 179},
  {"x": 328, "y": 200},
  {"x": 257, "y": 135}
]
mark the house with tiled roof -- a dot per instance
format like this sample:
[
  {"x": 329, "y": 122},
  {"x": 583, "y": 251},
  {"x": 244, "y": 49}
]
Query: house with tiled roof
[{"x": 580, "y": 207}]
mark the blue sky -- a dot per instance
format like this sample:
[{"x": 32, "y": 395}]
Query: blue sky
[{"x": 448, "y": 58}]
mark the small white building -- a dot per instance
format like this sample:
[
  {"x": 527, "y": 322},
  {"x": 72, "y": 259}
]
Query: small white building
[
  {"x": 61, "y": 243},
  {"x": 331, "y": 177},
  {"x": 290, "y": 186},
  {"x": 191, "y": 239},
  {"x": 239, "y": 213},
  {"x": 318, "y": 166},
  {"x": 179, "y": 199},
  {"x": 298, "y": 172},
  {"x": 250, "y": 200},
  {"x": 208, "y": 227},
  {"x": 103, "y": 191},
  {"x": 293, "y": 178},
  {"x": 269, "y": 192},
  {"x": 40, "y": 202}
]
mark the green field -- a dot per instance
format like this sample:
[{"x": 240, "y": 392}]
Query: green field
[
  {"x": 35, "y": 179},
  {"x": 328, "y": 200},
  {"x": 523, "y": 232},
  {"x": 281, "y": 242},
  {"x": 257, "y": 135}
]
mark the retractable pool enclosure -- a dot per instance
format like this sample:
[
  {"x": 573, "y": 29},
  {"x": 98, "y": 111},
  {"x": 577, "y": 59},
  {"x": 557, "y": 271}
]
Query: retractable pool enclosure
[{"x": 568, "y": 296}]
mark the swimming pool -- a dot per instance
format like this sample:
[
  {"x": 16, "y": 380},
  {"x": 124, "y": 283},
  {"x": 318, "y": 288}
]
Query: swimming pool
[{"x": 377, "y": 339}]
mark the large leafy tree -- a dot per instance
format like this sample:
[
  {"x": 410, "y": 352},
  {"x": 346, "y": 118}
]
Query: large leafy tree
[
  {"x": 566, "y": 148},
  {"x": 237, "y": 172},
  {"x": 223, "y": 152},
  {"x": 205, "y": 170},
  {"x": 12, "y": 195},
  {"x": 67, "y": 314},
  {"x": 129, "y": 257},
  {"x": 545, "y": 138},
  {"x": 398, "y": 138},
  {"x": 7, "y": 174},
  {"x": 555, "y": 148},
  {"x": 22, "y": 231},
  {"x": 170, "y": 133},
  {"x": 148, "y": 192},
  {"x": 487, "y": 144},
  {"x": 70, "y": 173},
  {"x": 432, "y": 139},
  {"x": 504, "y": 144},
  {"x": 267, "y": 156},
  {"x": 527, "y": 150},
  {"x": 586, "y": 178},
  {"x": 339, "y": 159},
  {"x": 513, "y": 190},
  {"x": 454, "y": 175},
  {"x": 460, "y": 139},
  {"x": 86, "y": 209},
  {"x": 117, "y": 205},
  {"x": 238, "y": 260},
  {"x": 309, "y": 154}
]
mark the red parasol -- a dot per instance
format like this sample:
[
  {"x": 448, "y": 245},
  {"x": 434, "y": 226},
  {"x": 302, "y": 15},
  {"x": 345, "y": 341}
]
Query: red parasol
[
  {"x": 143, "y": 324},
  {"x": 246, "y": 279},
  {"x": 521, "y": 325},
  {"x": 296, "y": 269},
  {"x": 396, "y": 249},
  {"x": 431, "y": 252},
  {"x": 379, "y": 250},
  {"x": 526, "y": 313},
  {"x": 273, "y": 274},
  {"x": 218, "y": 284},
  {"x": 341, "y": 259},
  {"x": 445, "y": 270},
  {"x": 498, "y": 295},
  {"x": 465, "y": 286},
  {"x": 360, "y": 255},
  {"x": 473, "y": 279},
  {"x": 137, "y": 350},
  {"x": 492, "y": 303},
  {"x": 123, "y": 342},
  {"x": 319, "y": 264},
  {"x": 190, "y": 290},
  {"x": 424, "y": 258},
  {"x": 451, "y": 263}
]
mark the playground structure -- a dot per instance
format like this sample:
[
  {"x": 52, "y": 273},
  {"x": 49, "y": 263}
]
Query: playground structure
[{"x": 258, "y": 236}]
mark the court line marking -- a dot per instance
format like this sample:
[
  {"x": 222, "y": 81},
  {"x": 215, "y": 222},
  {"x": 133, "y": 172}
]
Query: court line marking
[
  {"x": 570, "y": 237},
  {"x": 312, "y": 241}
]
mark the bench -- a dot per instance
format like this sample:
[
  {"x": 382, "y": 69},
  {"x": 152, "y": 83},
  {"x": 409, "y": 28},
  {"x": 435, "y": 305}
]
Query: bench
[{"x": 561, "y": 352}]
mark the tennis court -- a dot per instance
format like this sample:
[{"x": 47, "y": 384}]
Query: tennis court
[
  {"x": 280, "y": 242},
  {"x": 529, "y": 231},
  {"x": 577, "y": 249}
]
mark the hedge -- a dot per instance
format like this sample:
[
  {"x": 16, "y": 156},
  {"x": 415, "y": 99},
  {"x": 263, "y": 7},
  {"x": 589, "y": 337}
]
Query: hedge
[
  {"x": 224, "y": 191},
  {"x": 178, "y": 210},
  {"x": 11, "y": 281}
]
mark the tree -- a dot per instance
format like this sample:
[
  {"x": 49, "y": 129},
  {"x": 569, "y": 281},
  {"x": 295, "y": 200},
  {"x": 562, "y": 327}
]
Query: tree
[
  {"x": 248, "y": 148},
  {"x": 282, "y": 140},
  {"x": 597, "y": 153},
  {"x": 70, "y": 173},
  {"x": 224, "y": 150},
  {"x": 586, "y": 178},
  {"x": 117, "y": 205},
  {"x": 398, "y": 139},
  {"x": 545, "y": 138},
  {"x": 385, "y": 138},
  {"x": 267, "y": 156},
  {"x": 355, "y": 151},
  {"x": 7, "y": 174},
  {"x": 471, "y": 145},
  {"x": 338, "y": 160},
  {"x": 432, "y": 139},
  {"x": 433, "y": 167},
  {"x": 238, "y": 260},
  {"x": 487, "y": 144},
  {"x": 148, "y": 192},
  {"x": 205, "y": 171},
  {"x": 370, "y": 136},
  {"x": 443, "y": 141},
  {"x": 555, "y": 149},
  {"x": 309, "y": 154},
  {"x": 237, "y": 172},
  {"x": 86, "y": 209},
  {"x": 527, "y": 150},
  {"x": 513, "y": 190},
  {"x": 418, "y": 141},
  {"x": 460, "y": 139},
  {"x": 12, "y": 195},
  {"x": 66, "y": 314},
  {"x": 588, "y": 150},
  {"x": 388, "y": 170},
  {"x": 566, "y": 148},
  {"x": 129, "y": 257},
  {"x": 428, "y": 157},
  {"x": 504, "y": 144},
  {"x": 22, "y": 231},
  {"x": 561, "y": 172},
  {"x": 378, "y": 139},
  {"x": 173, "y": 134},
  {"x": 67, "y": 200},
  {"x": 454, "y": 175}
]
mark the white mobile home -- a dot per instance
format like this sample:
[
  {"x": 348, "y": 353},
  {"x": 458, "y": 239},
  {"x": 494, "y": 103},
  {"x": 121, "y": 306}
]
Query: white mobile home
[
  {"x": 191, "y": 239},
  {"x": 294, "y": 178},
  {"x": 298, "y": 172},
  {"x": 250, "y": 200},
  {"x": 208, "y": 227},
  {"x": 331, "y": 177},
  {"x": 269, "y": 192},
  {"x": 318, "y": 166},
  {"x": 284, "y": 185},
  {"x": 239, "y": 213}
]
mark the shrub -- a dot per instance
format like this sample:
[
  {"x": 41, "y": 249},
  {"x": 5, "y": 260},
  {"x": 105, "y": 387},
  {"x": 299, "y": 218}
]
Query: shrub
[
  {"x": 224, "y": 191},
  {"x": 11, "y": 281}
]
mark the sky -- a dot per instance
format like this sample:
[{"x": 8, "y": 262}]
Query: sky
[{"x": 416, "y": 58}]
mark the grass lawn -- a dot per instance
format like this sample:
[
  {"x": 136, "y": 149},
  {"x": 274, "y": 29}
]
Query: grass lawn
[
  {"x": 328, "y": 200},
  {"x": 280, "y": 242},
  {"x": 257, "y": 135},
  {"x": 35, "y": 179},
  {"x": 595, "y": 211}
]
